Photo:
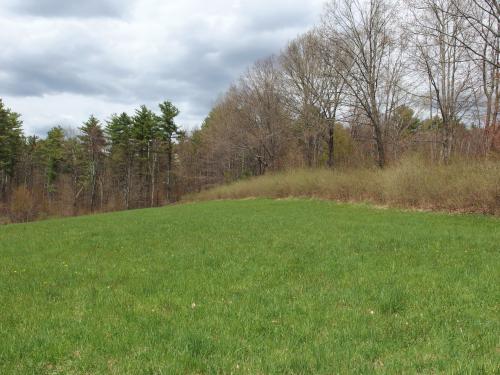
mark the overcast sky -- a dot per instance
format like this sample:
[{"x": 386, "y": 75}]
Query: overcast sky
[{"x": 62, "y": 60}]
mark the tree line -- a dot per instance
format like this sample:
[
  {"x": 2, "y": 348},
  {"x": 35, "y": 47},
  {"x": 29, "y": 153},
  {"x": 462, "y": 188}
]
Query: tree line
[
  {"x": 374, "y": 81},
  {"x": 122, "y": 164}
]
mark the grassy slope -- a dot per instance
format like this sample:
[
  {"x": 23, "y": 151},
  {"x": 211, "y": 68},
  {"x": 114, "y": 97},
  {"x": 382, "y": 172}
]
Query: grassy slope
[{"x": 251, "y": 287}]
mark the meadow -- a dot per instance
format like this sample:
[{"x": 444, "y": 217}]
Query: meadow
[{"x": 251, "y": 287}]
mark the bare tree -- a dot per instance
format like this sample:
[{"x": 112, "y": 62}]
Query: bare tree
[
  {"x": 364, "y": 34},
  {"x": 302, "y": 88},
  {"x": 488, "y": 66},
  {"x": 482, "y": 18},
  {"x": 443, "y": 60},
  {"x": 480, "y": 36},
  {"x": 262, "y": 109},
  {"x": 331, "y": 91}
]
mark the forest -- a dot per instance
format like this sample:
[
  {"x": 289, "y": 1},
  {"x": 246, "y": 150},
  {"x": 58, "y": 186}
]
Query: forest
[{"x": 372, "y": 83}]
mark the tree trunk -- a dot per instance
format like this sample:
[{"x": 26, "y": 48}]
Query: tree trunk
[
  {"x": 169, "y": 171},
  {"x": 93, "y": 187},
  {"x": 3, "y": 186},
  {"x": 153, "y": 179},
  {"x": 380, "y": 146},
  {"x": 447, "y": 143},
  {"x": 128, "y": 184},
  {"x": 331, "y": 144}
]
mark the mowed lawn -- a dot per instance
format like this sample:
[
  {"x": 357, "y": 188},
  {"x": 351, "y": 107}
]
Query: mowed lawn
[{"x": 251, "y": 287}]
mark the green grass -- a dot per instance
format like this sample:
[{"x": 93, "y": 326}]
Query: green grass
[{"x": 251, "y": 287}]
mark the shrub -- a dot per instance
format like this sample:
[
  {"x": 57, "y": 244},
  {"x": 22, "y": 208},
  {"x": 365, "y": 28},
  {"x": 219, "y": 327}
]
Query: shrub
[
  {"x": 463, "y": 186},
  {"x": 22, "y": 205}
]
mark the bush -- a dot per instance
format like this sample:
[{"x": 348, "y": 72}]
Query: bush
[
  {"x": 22, "y": 206},
  {"x": 463, "y": 186}
]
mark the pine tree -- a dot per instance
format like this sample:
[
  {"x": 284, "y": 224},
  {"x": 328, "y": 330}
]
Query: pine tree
[
  {"x": 145, "y": 131},
  {"x": 74, "y": 157},
  {"x": 121, "y": 154},
  {"x": 52, "y": 156},
  {"x": 11, "y": 142},
  {"x": 93, "y": 143},
  {"x": 31, "y": 160},
  {"x": 168, "y": 131}
]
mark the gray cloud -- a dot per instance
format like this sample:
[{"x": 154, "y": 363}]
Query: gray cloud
[
  {"x": 69, "y": 8},
  {"x": 76, "y": 58},
  {"x": 66, "y": 64}
]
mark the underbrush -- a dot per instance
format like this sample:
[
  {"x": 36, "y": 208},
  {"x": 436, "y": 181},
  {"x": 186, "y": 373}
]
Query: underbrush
[{"x": 412, "y": 183}]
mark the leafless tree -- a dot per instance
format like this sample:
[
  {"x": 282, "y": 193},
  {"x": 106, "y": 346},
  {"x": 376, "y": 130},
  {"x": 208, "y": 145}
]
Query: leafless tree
[
  {"x": 480, "y": 36},
  {"x": 364, "y": 34},
  {"x": 332, "y": 88},
  {"x": 482, "y": 18},
  {"x": 300, "y": 87},
  {"x": 443, "y": 60},
  {"x": 262, "y": 112}
]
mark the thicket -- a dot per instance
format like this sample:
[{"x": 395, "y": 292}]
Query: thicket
[{"x": 463, "y": 186}]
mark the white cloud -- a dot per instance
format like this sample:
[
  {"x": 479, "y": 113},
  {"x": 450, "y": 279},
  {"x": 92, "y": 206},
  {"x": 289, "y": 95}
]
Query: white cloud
[{"x": 60, "y": 66}]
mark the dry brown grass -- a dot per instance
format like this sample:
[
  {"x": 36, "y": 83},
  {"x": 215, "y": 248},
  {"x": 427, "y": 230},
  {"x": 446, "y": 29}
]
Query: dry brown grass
[
  {"x": 412, "y": 183},
  {"x": 22, "y": 205}
]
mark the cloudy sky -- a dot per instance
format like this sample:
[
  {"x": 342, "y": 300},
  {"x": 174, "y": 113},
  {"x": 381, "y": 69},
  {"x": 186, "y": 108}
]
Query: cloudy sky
[{"x": 62, "y": 60}]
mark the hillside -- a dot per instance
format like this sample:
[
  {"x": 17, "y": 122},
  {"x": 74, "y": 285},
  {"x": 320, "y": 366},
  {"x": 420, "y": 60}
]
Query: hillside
[{"x": 255, "y": 286}]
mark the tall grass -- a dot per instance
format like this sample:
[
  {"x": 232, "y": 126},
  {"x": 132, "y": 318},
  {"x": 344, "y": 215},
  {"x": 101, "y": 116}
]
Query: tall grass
[{"x": 412, "y": 183}]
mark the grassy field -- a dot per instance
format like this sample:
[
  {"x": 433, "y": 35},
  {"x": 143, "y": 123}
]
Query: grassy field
[{"x": 251, "y": 287}]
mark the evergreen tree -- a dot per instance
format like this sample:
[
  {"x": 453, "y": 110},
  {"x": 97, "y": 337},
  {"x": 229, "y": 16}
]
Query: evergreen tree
[
  {"x": 168, "y": 131},
  {"x": 74, "y": 156},
  {"x": 52, "y": 156},
  {"x": 11, "y": 142},
  {"x": 121, "y": 156},
  {"x": 93, "y": 143},
  {"x": 31, "y": 160},
  {"x": 118, "y": 131},
  {"x": 145, "y": 131}
]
